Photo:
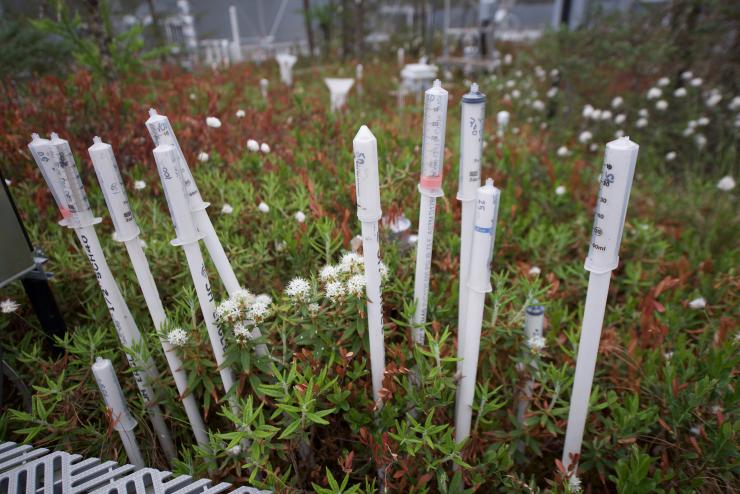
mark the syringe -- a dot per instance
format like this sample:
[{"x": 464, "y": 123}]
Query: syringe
[
  {"x": 479, "y": 284},
  {"x": 471, "y": 149},
  {"x": 127, "y": 232},
  {"x": 367, "y": 183},
  {"x": 533, "y": 328},
  {"x": 74, "y": 204},
  {"x": 430, "y": 187},
  {"x": 159, "y": 126},
  {"x": 167, "y": 158},
  {"x": 603, "y": 257},
  {"x": 121, "y": 419},
  {"x": 41, "y": 152}
]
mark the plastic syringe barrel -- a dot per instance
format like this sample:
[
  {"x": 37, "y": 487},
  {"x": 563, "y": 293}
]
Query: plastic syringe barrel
[
  {"x": 168, "y": 164},
  {"x": 433, "y": 140},
  {"x": 113, "y": 397},
  {"x": 159, "y": 126},
  {"x": 615, "y": 181},
  {"x": 74, "y": 196},
  {"x": 114, "y": 191},
  {"x": 534, "y": 321},
  {"x": 471, "y": 142},
  {"x": 367, "y": 181},
  {"x": 43, "y": 155},
  {"x": 487, "y": 200}
]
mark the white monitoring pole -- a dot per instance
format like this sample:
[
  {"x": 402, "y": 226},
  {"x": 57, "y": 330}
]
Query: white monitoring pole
[
  {"x": 479, "y": 284},
  {"x": 285, "y": 63},
  {"x": 367, "y": 183},
  {"x": 236, "y": 40},
  {"x": 159, "y": 126},
  {"x": 264, "y": 85},
  {"x": 533, "y": 328},
  {"x": 603, "y": 257},
  {"x": 59, "y": 169},
  {"x": 430, "y": 187},
  {"x": 121, "y": 419},
  {"x": 167, "y": 158},
  {"x": 338, "y": 89},
  {"x": 471, "y": 150},
  {"x": 127, "y": 232}
]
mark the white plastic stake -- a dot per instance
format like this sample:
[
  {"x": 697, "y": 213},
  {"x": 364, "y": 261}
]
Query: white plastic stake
[
  {"x": 236, "y": 40},
  {"x": 285, "y": 63},
  {"x": 158, "y": 126},
  {"x": 338, "y": 89},
  {"x": 358, "y": 77},
  {"x": 264, "y": 85},
  {"x": 77, "y": 214},
  {"x": 401, "y": 57},
  {"x": 430, "y": 187},
  {"x": 603, "y": 257},
  {"x": 121, "y": 419},
  {"x": 471, "y": 150},
  {"x": 367, "y": 183},
  {"x": 533, "y": 328},
  {"x": 479, "y": 284},
  {"x": 127, "y": 232},
  {"x": 167, "y": 158}
]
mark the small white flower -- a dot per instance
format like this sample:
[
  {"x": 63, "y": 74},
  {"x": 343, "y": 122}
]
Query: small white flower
[
  {"x": 265, "y": 148},
  {"x": 240, "y": 113},
  {"x": 538, "y": 105},
  {"x": 696, "y": 81},
  {"x": 654, "y": 93},
  {"x": 606, "y": 115},
  {"x": 726, "y": 183},
  {"x": 234, "y": 451},
  {"x": 384, "y": 272},
  {"x": 700, "y": 140},
  {"x": 203, "y": 156},
  {"x": 177, "y": 337},
  {"x": 328, "y": 273},
  {"x": 280, "y": 245},
  {"x": 502, "y": 118},
  {"x": 702, "y": 121},
  {"x": 716, "y": 409},
  {"x": 228, "y": 312},
  {"x": 259, "y": 311},
  {"x": 263, "y": 298},
  {"x": 680, "y": 92},
  {"x": 143, "y": 243},
  {"x": 552, "y": 92},
  {"x": 641, "y": 122},
  {"x": 213, "y": 122},
  {"x": 9, "y": 306},
  {"x": 585, "y": 137},
  {"x": 535, "y": 271},
  {"x": 313, "y": 308},
  {"x": 620, "y": 119},
  {"x": 713, "y": 99},
  {"x": 670, "y": 156},
  {"x": 510, "y": 83},
  {"x": 617, "y": 102},
  {"x": 536, "y": 344},
  {"x": 668, "y": 356},
  {"x": 516, "y": 94},
  {"x": 192, "y": 96},
  {"x": 593, "y": 147},
  {"x": 351, "y": 263},
  {"x": 563, "y": 151},
  {"x": 243, "y": 298},
  {"x": 587, "y": 111},
  {"x": 227, "y": 209},
  {"x": 575, "y": 484},
  {"x": 300, "y": 216},
  {"x": 698, "y": 303},
  {"x": 619, "y": 133},
  {"x": 560, "y": 190},
  {"x": 242, "y": 332},
  {"x": 687, "y": 75},
  {"x": 253, "y": 145},
  {"x": 734, "y": 104},
  {"x": 139, "y": 185},
  {"x": 8, "y": 182},
  {"x": 554, "y": 73},
  {"x": 264, "y": 208},
  {"x": 356, "y": 285},
  {"x": 688, "y": 131},
  {"x": 335, "y": 291},
  {"x": 413, "y": 239},
  {"x": 298, "y": 289},
  {"x": 695, "y": 430},
  {"x": 596, "y": 115},
  {"x": 643, "y": 112},
  {"x": 508, "y": 58},
  {"x": 661, "y": 105},
  {"x": 663, "y": 81}
]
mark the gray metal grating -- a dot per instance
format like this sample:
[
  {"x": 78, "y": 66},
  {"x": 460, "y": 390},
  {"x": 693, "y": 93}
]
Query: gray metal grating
[{"x": 27, "y": 470}]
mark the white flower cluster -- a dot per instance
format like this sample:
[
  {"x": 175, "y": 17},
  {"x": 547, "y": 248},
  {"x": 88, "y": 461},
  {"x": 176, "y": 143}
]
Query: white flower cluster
[
  {"x": 298, "y": 290},
  {"x": 178, "y": 337},
  {"x": 536, "y": 344},
  {"x": 347, "y": 277},
  {"x": 242, "y": 311}
]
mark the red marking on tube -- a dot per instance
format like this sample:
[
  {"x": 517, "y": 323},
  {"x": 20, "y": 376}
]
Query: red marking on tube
[
  {"x": 431, "y": 182},
  {"x": 65, "y": 213}
]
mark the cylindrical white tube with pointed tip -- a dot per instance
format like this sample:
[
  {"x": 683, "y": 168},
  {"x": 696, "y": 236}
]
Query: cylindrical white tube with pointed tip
[
  {"x": 471, "y": 149},
  {"x": 367, "y": 183},
  {"x": 121, "y": 419},
  {"x": 42, "y": 153},
  {"x": 430, "y": 187},
  {"x": 159, "y": 126},
  {"x": 615, "y": 182},
  {"x": 533, "y": 328},
  {"x": 127, "y": 231},
  {"x": 166, "y": 157},
  {"x": 479, "y": 284}
]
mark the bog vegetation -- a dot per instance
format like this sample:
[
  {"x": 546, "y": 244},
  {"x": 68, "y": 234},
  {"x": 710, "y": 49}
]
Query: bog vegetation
[{"x": 664, "y": 406}]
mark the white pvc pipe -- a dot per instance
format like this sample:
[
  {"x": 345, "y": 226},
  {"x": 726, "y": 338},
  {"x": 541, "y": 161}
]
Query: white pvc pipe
[
  {"x": 121, "y": 419},
  {"x": 236, "y": 40},
  {"x": 365, "y": 148}
]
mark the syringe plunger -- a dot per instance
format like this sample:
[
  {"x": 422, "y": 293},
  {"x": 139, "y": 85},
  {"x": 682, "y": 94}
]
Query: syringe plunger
[
  {"x": 42, "y": 153},
  {"x": 75, "y": 198},
  {"x": 167, "y": 159}
]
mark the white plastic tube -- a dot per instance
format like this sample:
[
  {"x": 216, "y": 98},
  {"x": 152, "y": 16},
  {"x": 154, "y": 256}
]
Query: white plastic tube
[
  {"x": 603, "y": 256},
  {"x": 479, "y": 284},
  {"x": 285, "y": 63},
  {"x": 121, "y": 419},
  {"x": 430, "y": 187},
  {"x": 471, "y": 150},
  {"x": 264, "y": 87},
  {"x": 167, "y": 158},
  {"x": 236, "y": 40},
  {"x": 338, "y": 89},
  {"x": 367, "y": 183},
  {"x": 79, "y": 217},
  {"x": 533, "y": 328},
  {"x": 159, "y": 126},
  {"x": 127, "y": 232}
]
